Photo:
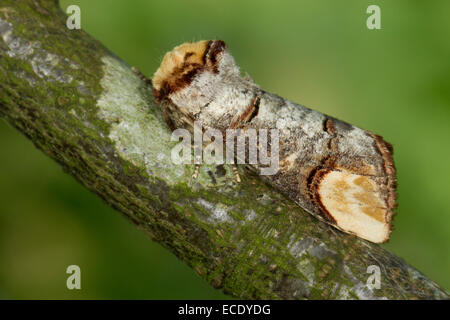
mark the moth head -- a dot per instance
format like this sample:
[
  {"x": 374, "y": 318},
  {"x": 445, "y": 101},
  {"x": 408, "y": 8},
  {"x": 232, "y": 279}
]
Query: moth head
[{"x": 185, "y": 62}]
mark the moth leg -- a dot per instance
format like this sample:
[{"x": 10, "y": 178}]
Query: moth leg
[
  {"x": 39, "y": 7},
  {"x": 168, "y": 120},
  {"x": 236, "y": 173},
  {"x": 148, "y": 82},
  {"x": 142, "y": 76}
]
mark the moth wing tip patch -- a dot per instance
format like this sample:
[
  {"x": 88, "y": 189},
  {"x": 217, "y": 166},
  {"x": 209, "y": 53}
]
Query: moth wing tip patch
[{"x": 356, "y": 204}]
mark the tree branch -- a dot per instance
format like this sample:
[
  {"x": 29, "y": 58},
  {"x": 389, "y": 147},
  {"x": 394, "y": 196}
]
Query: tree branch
[{"x": 89, "y": 111}]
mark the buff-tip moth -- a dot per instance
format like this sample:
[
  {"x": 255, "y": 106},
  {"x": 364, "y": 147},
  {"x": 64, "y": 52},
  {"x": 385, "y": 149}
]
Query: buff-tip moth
[{"x": 339, "y": 173}]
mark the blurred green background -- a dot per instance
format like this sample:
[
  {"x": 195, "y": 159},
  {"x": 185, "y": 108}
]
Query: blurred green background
[{"x": 394, "y": 82}]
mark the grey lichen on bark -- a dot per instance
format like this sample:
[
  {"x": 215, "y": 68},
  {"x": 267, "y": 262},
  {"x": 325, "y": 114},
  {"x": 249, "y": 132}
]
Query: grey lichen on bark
[{"x": 89, "y": 111}]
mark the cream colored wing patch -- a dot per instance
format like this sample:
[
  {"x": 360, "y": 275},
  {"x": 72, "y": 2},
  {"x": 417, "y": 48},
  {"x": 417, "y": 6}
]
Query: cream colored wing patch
[{"x": 356, "y": 204}]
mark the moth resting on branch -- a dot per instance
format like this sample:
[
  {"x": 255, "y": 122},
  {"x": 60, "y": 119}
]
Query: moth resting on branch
[
  {"x": 340, "y": 173},
  {"x": 90, "y": 112}
]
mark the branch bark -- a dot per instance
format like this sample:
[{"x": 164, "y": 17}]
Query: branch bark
[{"x": 89, "y": 111}]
